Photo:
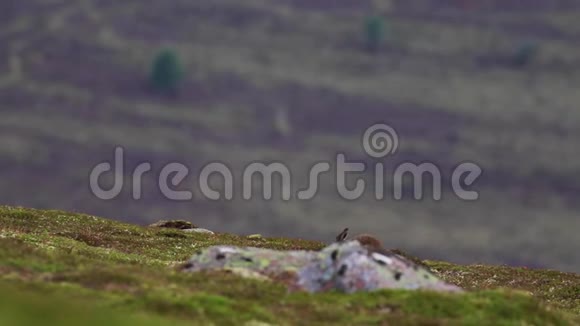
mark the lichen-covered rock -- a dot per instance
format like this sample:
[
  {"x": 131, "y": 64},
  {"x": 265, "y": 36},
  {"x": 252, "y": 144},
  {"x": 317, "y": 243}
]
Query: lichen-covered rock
[
  {"x": 264, "y": 261},
  {"x": 350, "y": 267},
  {"x": 347, "y": 266}
]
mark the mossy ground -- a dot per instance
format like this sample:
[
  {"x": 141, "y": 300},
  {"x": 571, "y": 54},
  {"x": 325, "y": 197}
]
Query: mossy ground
[{"x": 61, "y": 268}]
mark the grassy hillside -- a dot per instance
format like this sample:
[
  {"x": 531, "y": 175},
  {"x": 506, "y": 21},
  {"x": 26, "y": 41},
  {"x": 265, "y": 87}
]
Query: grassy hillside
[
  {"x": 73, "y": 86},
  {"x": 60, "y": 268}
]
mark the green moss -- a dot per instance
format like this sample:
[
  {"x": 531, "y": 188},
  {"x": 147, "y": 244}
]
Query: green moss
[{"x": 119, "y": 273}]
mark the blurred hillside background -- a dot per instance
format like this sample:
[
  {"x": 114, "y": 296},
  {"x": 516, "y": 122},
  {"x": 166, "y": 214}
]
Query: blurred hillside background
[{"x": 495, "y": 82}]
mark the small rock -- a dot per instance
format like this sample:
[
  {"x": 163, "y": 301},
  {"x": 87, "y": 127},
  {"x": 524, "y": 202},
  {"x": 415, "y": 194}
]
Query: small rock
[
  {"x": 198, "y": 230},
  {"x": 173, "y": 224},
  {"x": 255, "y": 237}
]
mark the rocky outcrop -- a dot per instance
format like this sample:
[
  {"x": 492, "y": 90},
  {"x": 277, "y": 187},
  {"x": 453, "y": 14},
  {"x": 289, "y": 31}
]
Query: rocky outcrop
[{"x": 347, "y": 266}]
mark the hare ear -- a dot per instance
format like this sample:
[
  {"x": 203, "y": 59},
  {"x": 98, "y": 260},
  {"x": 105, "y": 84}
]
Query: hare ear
[{"x": 342, "y": 235}]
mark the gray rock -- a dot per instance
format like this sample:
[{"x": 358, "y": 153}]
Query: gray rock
[
  {"x": 346, "y": 266},
  {"x": 198, "y": 230}
]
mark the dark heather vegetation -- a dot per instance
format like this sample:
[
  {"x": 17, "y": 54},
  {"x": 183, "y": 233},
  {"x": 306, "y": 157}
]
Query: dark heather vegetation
[{"x": 62, "y": 268}]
